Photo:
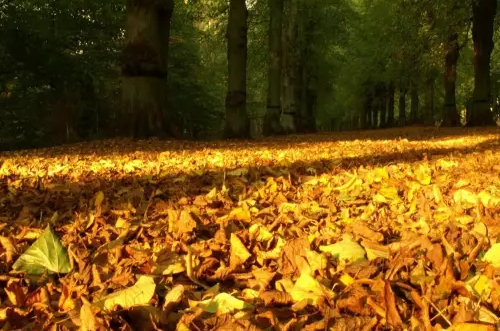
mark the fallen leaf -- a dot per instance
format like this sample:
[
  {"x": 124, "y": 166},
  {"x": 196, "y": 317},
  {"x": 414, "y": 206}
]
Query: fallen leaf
[
  {"x": 138, "y": 294},
  {"x": 46, "y": 254}
]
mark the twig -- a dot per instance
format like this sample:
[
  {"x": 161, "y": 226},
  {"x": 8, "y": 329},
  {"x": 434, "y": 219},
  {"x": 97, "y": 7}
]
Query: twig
[{"x": 438, "y": 310}]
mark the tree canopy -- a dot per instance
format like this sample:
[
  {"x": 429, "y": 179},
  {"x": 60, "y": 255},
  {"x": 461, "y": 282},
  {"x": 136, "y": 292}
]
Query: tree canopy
[{"x": 344, "y": 64}]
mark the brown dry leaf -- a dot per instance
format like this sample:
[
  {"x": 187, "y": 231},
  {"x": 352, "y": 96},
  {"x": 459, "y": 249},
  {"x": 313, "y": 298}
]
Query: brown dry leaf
[
  {"x": 392, "y": 314},
  {"x": 294, "y": 255},
  {"x": 10, "y": 249},
  {"x": 15, "y": 293},
  {"x": 421, "y": 209}
]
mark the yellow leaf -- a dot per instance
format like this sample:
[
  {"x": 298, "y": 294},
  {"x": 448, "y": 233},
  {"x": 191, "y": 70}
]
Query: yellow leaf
[
  {"x": 347, "y": 280},
  {"x": 99, "y": 198},
  {"x": 390, "y": 192},
  {"x": 465, "y": 198},
  {"x": 423, "y": 174},
  {"x": 309, "y": 289},
  {"x": 223, "y": 303},
  {"x": 480, "y": 286},
  {"x": 87, "y": 318},
  {"x": 381, "y": 174},
  {"x": 492, "y": 256},
  {"x": 260, "y": 233},
  {"x": 138, "y": 294},
  {"x": 347, "y": 249},
  {"x": 471, "y": 327},
  {"x": 239, "y": 253},
  {"x": 181, "y": 326}
]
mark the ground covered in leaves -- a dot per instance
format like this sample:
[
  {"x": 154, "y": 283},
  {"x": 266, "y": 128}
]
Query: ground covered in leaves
[{"x": 390, "y": 229}]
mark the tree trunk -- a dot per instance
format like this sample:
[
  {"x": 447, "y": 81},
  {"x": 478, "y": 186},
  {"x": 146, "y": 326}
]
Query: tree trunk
[
  {"x": 428, "y": 108},
  {"x": 237, "y": 121},
  {"x": 311, "y": 102},
  {"x": 367, "y": 111},
  {"x": 383, "y": 105},
  {"x": 415, "y": 104},
  {"x": 483, "y": 17},
  {"x": 273, "y": 113},
  {"x": 402, "y": 107},
  {"x": 391, "y": 90},
  {"x": 450, "y": 112},
  {"x": 290, "y": 68},
  {"x": 144, "y": 68}
]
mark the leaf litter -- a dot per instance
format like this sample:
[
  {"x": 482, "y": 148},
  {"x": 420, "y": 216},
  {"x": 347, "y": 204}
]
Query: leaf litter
[{"x": 394, "y": 229}]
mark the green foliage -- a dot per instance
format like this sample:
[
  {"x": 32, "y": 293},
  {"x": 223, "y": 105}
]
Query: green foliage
[{"x": 45, "y": 255}]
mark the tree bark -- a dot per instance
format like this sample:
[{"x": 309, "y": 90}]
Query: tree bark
[
  {"x": 237, "y": 121},
  {"x": 144, "y": 68},
  {"x": 272, "y": 120},
  {"x": 450, "y": 112},
  {"x": 483, "y": 17},
  {"x": 290, "y": 68},
  {"x": 429, "y": 96},
  {"x": 383, "y": 105},
  {"x": 402, "y": 107},
  {"x": 391, "y": 90}
]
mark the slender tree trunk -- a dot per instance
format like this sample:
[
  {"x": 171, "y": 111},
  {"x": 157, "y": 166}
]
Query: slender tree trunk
[
  {"x": 391, "y": 90},
  {"x": 273, "y": 113},
  {"x": 144, "y": 68},
  {"x": 367, "y": 113},
  {"x": 450, "y": 112},
  {"x": 415, "y": 104},
  {"x": 237, "y": 121},
  {"x": 402, "y": 107},
  {"x": 483, "y": 18},
  {"x": 290, "y": 67},
  {"x": 374, "y": 110},
  {"x": 383, "y": 105}
]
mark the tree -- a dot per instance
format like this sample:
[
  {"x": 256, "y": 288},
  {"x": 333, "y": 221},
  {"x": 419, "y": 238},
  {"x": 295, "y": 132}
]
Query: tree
[
  {"x": 452, "y": 53},
  {"x": 237, "y": 121},
  {"x": 145, "y": 67},
  {"x": 273, "y": 113},
  {"x": 290, "y": 54},
  {"x": 483, "y": 18}
]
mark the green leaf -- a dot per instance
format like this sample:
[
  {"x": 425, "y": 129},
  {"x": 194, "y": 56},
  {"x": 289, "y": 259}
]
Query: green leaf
[
  {"x": 138, "y": 294},
  {"x": 46, "y": 254}
]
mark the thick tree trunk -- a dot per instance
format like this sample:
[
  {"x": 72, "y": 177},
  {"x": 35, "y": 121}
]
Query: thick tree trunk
[
  {"x": 450, "y": 112},
  {"x": 391, "y": 90},
  {"x": 272, "y": 120},
  {"x": 144, "y": 68},
  {"x": 311, "y": 102},
  {"x": 237, "y": 121},
  {"x": 483, "y": 17},
  {"x": 402, "y": 107},
  {"x": 415, "y": 104},
  {"x": 290, "y": 67}
]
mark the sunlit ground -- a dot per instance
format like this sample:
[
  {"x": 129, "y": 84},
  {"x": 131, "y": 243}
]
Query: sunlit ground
[{"x": 347, "y": 216}]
